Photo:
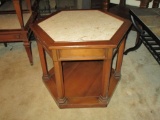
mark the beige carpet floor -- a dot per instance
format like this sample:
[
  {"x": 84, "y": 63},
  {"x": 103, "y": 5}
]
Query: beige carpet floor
[{"x": 23, "y": 95}]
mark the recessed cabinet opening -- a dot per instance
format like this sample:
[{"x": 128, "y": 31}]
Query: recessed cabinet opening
[{"x": 82, "y": 78}]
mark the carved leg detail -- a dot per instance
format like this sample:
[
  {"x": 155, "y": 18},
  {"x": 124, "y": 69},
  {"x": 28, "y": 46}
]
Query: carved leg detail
[{"x": 138, "y": 44}]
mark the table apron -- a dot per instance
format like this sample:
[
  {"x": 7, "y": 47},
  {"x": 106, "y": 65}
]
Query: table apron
[{"x": 81, "y": 54}]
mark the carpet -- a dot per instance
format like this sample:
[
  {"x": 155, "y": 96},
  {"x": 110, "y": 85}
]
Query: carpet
[{"x": 23, "y": 96}]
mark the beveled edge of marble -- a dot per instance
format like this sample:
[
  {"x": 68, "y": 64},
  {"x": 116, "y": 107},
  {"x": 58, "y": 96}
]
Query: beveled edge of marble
[{"x": 81, "y": 26}]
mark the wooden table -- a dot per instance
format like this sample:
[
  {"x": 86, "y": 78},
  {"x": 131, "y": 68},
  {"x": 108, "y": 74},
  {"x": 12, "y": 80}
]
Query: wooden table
[
  {"x": 82, "y": 44},
  {"x": 14, "y": 23}
]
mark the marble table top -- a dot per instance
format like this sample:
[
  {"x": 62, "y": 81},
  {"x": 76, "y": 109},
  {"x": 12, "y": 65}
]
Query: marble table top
[
  {"x": 80, "y": 26},
  {"x": 10, "y": 21}
]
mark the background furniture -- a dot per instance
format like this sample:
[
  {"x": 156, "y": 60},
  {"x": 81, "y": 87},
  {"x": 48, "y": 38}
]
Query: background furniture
[
  {"x": 46, "y": 7},
  {"x": 82, "y": 51},
  {"x": 156, "y": 3},
  {"x": 149, "y": 30},
  {"x": 15, "y": 27},
  {"x": 123, "y": 10},
  {"x": 49, "y": 6}
]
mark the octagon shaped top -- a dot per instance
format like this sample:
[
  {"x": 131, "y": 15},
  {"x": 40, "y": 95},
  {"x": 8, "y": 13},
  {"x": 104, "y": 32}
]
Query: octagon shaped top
[{"x": 81, "y": 26}]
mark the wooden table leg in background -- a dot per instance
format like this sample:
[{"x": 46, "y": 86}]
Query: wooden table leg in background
[
  {"x": 106, "y": 5},
  {"x": 144, "y": 3},
  {"x": 155, "y": 3}
]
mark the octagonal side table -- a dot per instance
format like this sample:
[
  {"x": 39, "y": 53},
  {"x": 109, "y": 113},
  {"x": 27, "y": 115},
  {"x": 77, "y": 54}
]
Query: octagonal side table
[{"x": 82, "y": 45}]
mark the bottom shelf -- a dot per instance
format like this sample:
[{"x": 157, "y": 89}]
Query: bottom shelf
[{"x": 82, "y": 84}]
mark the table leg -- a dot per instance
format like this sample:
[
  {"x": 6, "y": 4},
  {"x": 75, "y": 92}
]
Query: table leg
[
  {"x": 43, "y": 61},
  {"x": 138, "y": 39},
  {"x": 155, "y": 3},
  {"x": 27, "y": 45},
  {"x": 58, "y": 78},
  {"x": 106, "y": 76},
  {"x": 17, "y": 7},
  {"x": 106, "y": 5},
  {"x": 28, "y": 2},
  {"x": 138, "y": 44},
  {"x": 122, "y": 3},
  {"x": 144, "y": 3},
  {"x": 5, "y": 44},
  {"x": 120, "y": 59}
]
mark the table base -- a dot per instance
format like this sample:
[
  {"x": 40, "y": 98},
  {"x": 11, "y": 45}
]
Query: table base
[{"x": 82, "y": 82}]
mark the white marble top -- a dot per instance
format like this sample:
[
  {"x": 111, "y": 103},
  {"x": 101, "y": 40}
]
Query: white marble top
[
  {"x": 82, "y": 25},
  {"x": 10, "y": 21}
]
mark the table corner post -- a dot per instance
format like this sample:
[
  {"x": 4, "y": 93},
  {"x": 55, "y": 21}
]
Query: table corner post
[
  {"x": 58, "y": 77},
  {"x": 107, "y": 69}
]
